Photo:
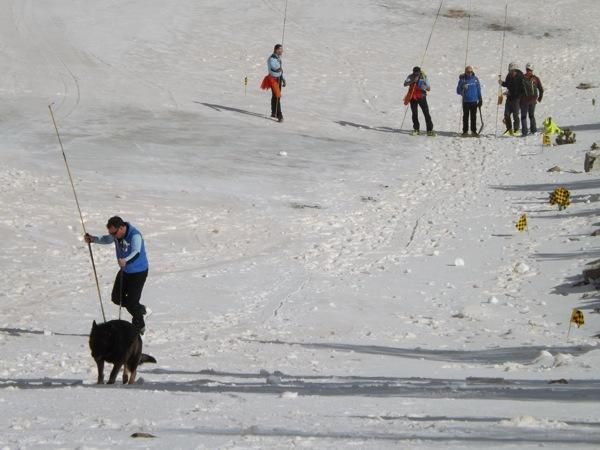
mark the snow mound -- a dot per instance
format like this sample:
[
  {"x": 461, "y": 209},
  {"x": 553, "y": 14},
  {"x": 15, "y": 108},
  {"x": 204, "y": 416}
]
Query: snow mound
[
  {"x": 521, "y": 268},
  {"x": 289, "y": 395},
  {"x": 532, "y": 422},
  {"x": 546, "y": 360}
]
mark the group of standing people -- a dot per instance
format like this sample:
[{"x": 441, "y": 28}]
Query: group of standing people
[{"x": 523, "y": 92}]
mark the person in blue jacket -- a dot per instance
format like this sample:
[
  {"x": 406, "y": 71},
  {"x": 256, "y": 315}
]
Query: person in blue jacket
[
  {"x": 470, "y": 90},
  {"x": 133, "y": 264}
]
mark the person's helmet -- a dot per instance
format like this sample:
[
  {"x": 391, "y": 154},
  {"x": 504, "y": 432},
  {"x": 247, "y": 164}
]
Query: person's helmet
[
  {"x": 529, "y": 66},
  {"x": 513, "y": 66},
  {"x": 416, "y": 69}
]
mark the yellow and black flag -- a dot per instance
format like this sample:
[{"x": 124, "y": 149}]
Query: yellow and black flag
[
  {"x": 577, "y": 318},
  {"x": 522, "y": 223},
  {"x": 560, "y": 197}
]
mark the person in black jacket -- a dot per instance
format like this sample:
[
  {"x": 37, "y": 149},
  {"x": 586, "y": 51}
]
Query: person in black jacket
[{"x": 515, "y": 90}]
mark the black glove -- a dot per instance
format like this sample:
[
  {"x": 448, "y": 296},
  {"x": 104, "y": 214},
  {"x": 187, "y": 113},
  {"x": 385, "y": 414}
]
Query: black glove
[
  {"x": 540, "y": 99},
  {"x": 480, "y": 103},
  {"x": 283, "y": 83}
]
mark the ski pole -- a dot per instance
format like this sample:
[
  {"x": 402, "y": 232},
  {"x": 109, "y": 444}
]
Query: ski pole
[
  {"x": 278, "y": 108},
  {"x": 481, "y": 120},
  {"x": 500, "y": 97},
  {"x": 424, "y": 54},
  {"x": 120, "y": 291},
  {"x": 79, "y": 210}
]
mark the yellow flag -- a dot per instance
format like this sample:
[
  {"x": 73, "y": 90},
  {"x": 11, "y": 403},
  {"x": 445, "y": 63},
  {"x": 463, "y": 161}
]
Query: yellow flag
[
  {"x": 560, "y": 197},
  {"x": 522, "y": 223},
  {"x": 577, "y": 318}
]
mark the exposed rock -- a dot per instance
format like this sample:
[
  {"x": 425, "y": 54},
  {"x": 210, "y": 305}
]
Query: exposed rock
[
  {"x": 585, "y": 86},
  {"x": 592, "y": 271},
  {"x": 592, "y": 160},
  {"x": 141, "y": 434}
]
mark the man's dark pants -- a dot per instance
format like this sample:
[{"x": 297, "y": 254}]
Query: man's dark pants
[
  {"x": 414, "y": 106},
  {"x": 470, "y": 109},
  {"x": 528, "y": 110},
  {"x": 127, "y": 292},
  {"x": 276, "y": 103},
  {"x": 513, "y": 107}
]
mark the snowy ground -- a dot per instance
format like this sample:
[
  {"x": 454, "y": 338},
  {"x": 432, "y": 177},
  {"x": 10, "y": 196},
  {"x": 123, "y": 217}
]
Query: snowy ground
[{"x": 304, "y": 276}]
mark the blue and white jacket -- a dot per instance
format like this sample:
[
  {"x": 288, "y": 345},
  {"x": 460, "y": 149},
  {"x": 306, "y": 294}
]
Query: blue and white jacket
[
  {"x": 469, "y": 88},
  {"x": 131, "y": 248},
  {"x": 274, "y": 66}
]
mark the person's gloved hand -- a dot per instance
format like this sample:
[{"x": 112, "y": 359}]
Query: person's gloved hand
[
  {"x": 88, "y": 238},
  {"x": 480, "y": 103}
]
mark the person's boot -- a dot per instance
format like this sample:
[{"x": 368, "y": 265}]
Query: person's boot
[{"x": 139, "y": 324}]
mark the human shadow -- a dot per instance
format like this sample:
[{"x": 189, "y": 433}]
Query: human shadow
[
  {"x": 523, "y": 355},
  {"x": 567, "y": 255},
  {"x": 584, "y": 127},
  {"x": 588, "y": 213},
  {"x": 345, "y": 123},
  {"x": 21, "y": 331},
  {"x": 469, "y": 438},
  {"x": 468, "y": 419},
  {"x": 571, "y": 186},
  {"x": 413, "y": 387},
  {"x": 383, "y": 129},
  {"x": 221, "y": 108}
]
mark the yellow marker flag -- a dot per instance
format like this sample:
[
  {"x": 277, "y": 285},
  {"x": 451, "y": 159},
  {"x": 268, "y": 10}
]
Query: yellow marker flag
[
  {"x": 577, "y": 318},
  {"x": 546, "y": 141},
  {"x": 560, "y": 197},
  {"x": 522, "y": 223}
]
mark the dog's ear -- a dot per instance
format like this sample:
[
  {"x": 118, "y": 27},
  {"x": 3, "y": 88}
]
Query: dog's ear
[{"x": 94, "y": 325}]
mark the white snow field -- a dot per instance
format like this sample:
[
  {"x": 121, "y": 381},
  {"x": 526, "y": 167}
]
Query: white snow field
[{"x": 330, "y": 282}]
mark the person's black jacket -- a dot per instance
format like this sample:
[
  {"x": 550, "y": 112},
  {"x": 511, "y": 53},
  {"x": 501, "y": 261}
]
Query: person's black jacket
[{"x": 514, "y": 84}]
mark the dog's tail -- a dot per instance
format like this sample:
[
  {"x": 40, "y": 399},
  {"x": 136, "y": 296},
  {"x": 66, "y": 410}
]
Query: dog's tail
[{"x": 147, "y": 359}]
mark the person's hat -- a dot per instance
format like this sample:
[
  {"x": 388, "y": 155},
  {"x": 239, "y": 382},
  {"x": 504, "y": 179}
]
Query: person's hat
[
  {"x": 513, "y": 66},
  {"x": 416, "y": 69},
  {"x": 529, "y": 66}
]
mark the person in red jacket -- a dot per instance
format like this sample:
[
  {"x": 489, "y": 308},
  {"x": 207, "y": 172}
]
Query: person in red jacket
[
  {"x": 534, "y": 91},
  {"x": 418, "y": 86}
]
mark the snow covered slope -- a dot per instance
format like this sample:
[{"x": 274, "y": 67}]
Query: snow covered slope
[{"x": 328, "y": 282}]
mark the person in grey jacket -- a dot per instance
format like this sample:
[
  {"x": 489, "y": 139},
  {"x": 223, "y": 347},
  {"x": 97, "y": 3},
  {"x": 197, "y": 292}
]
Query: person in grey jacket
[{"x": 275, "y": 81}]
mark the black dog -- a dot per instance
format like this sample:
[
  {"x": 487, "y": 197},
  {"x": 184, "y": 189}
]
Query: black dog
[{"x": 119, "y": 343}]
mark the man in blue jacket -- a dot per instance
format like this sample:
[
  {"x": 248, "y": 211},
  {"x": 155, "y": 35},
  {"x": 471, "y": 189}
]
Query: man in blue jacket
[
  {"x": 470, "y": 90},
  {"x": 131, "y": 257}
]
